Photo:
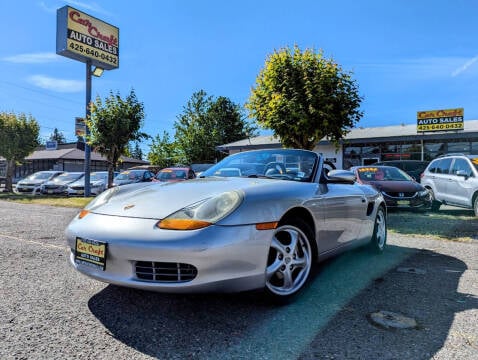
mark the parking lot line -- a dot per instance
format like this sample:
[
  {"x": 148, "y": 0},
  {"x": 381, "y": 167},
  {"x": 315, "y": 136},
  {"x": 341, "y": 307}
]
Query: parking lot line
[{"x": 10, "y": 237}]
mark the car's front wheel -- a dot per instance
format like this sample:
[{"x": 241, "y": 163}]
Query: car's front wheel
[
  {"x": 435, "y": 204},
  {"x": 475, "y": 205},
  {"x": 379, "y": 236},
  {"x": 290, "y": 260}
]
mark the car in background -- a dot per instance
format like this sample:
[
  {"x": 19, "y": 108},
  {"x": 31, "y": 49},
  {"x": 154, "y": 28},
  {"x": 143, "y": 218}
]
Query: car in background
[
  {"x": 133, "y": 176},
  {"x": 173, "y": 174},
  {"x": 453, "y": 180},
  {"x": 32, "y": 183},
  {"x": 414, "y": 168},
  {"x": 200, "y": 168},
  {"x": 59, "y": 185},
  {"x": 98, "y": 184},
  {"x": 260, "y": 230},
  {"x": 398, "y": 188}
]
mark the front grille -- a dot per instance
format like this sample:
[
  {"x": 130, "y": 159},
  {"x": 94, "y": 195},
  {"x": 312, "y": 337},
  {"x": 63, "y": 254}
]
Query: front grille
[
  {"x": 77, "y": 187},
  {"x": 24, "y": 190},
  {"x": 165, "y": 271},
  {"x": 400, "y": 195}
]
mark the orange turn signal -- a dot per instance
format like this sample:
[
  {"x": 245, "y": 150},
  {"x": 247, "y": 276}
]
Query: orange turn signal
[
  {"x": 182, "y": 224},
  {"x": 266, "y": 225},
  {"x": 83, "y": 213}
]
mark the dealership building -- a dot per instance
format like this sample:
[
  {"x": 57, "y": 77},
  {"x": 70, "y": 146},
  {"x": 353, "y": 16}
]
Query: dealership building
[{"x": 364, "y": 146}]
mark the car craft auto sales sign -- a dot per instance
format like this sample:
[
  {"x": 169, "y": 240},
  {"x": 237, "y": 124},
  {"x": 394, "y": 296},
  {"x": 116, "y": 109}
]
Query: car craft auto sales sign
[
  {"x": 85, "y": 38},
  {"x": 440, "y": 120}
]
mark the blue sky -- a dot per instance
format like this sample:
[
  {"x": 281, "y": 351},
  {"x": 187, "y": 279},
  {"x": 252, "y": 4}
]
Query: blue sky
[{"x": 406, "y": 55}]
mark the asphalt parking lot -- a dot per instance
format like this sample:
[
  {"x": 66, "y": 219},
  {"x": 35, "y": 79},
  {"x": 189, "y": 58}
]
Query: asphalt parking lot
[{"x": 48, "y": 311}]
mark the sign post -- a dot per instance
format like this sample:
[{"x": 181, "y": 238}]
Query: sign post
[{"x": 85, "y": 38}]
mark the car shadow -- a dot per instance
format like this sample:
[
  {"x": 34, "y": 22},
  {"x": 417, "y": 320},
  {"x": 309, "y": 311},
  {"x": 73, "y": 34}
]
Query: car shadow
[
  {"x": 423, "y": 287},
  {"x": 246, "y": 325}
]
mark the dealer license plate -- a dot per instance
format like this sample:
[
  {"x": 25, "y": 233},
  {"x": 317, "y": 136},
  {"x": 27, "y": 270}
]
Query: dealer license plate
[
  {"x": 403, "y": 202},
  {"x": 91, "y": 253}
]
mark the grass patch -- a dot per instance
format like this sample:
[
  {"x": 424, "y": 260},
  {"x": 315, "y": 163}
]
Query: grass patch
[
  {"x": 447, "y": 224},
  {"x": 76, "y": 202}
]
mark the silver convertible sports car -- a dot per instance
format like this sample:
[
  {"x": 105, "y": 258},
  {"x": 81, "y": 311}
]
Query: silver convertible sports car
[{"x": 256, "y": 220}]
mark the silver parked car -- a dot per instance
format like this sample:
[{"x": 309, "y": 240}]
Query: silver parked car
[
  {"x": 453, "y": 180},
  {"x": 98, "y": 183},
  {"x": 59, "y": 185},
  {"x": 32, "y": 183},
  {"x": 255, "y": 220}
]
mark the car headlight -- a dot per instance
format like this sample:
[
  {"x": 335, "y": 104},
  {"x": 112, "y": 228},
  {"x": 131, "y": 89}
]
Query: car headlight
[
  {"x": 203, "y": 213},
  {"x": 423, "y": 193}
]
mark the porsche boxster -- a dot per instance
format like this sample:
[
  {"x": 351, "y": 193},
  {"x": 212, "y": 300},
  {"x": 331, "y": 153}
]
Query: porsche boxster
[{"x": 256, "y": 220}]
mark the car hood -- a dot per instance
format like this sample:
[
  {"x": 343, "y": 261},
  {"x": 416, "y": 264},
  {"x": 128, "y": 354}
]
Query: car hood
[
  {"x": 58, "y": 183},
  {"x": 397, "y": 186},
  {"x": 31, "y": 182},
  {"x": 157, "y": 200},
  {"x": 81, "y": 182}
]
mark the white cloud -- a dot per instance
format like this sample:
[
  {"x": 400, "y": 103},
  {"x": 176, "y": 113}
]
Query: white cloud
[
  {"x": 58, "y": 85},
  {"x": 34, "y": 58}
]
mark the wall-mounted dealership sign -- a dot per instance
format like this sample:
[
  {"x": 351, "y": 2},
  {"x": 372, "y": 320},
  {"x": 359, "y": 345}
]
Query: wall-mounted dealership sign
[
  {"x": 85, "y": 38},
  {"x": 440, "y": 120}
]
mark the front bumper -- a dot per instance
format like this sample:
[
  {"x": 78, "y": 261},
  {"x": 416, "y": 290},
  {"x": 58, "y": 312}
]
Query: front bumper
[
  {"x": 415, "y": 202},
  {"x": 226, "y": 258}
]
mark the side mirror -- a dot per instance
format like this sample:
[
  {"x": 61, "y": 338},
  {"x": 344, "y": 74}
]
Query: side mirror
[
  {"x": 462, "y": 173},
  {"x": 341, "y": 177}
]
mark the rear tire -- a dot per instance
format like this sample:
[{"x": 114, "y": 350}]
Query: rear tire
[
  {"x": 289, "y": 261},
  {"x": 379, "y": 236}
]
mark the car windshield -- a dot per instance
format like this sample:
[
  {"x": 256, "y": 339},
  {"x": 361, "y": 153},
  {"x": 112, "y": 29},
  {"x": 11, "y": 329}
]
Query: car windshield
[
  {"x": 129, "y": 175},
  {"x": 171, "y": 174},
  {"x": 40, "y": 176},
  {"x": 65, "y": 177},
  {"x": 98, "y": 176},
  {"x": 296, "y": 165},
  {"x": 377, "y": 173}
]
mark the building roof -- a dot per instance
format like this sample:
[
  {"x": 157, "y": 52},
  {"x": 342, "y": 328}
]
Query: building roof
[{"x": 360, "y": 135}]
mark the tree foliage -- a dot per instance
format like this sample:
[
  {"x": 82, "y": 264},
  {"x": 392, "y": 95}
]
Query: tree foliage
[
  {"x": 304, "y": 97},
  {"x": 164, "y": 152},
  {"x": 207, "y": 122},
  {"x": 113, "y": 124},
  {"x": 19, "y": 136},
  {"x": 57, "y": 136}
]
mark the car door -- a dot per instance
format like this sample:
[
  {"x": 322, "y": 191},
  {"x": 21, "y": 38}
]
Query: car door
[
  {"x": 441, "y": 177},
  {"x": 343, "y": 210},
  {"x": 459, "y": 187}
]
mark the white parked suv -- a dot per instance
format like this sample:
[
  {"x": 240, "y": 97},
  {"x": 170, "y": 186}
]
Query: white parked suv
[{"x": 453, "y": 180}]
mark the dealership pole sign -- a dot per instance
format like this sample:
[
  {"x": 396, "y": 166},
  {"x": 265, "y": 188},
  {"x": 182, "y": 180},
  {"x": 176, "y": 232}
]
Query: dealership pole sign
[
  {"x": 440, "y": 120},
  {"x": 87, "y": 39}
]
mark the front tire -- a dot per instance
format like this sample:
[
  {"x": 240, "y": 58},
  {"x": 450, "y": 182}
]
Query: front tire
[
  {"x": 435, "y": 204},
  {"x": 289, "y": 260},
  {"x": 379, "y": 236},
  {"x": 475, "y": 205}
]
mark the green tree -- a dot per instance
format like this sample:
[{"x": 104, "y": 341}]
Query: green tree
[
  {"x": 113, "y": 124},
  {"x": 19, "y": 136},
  {"x": 57, "y": 136},
  {"x": 164, "y": 153},
  {"x": 137, "y": 152},
  {"x": 304, "y": 97},
  {"x": 207, "y": 122}
]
